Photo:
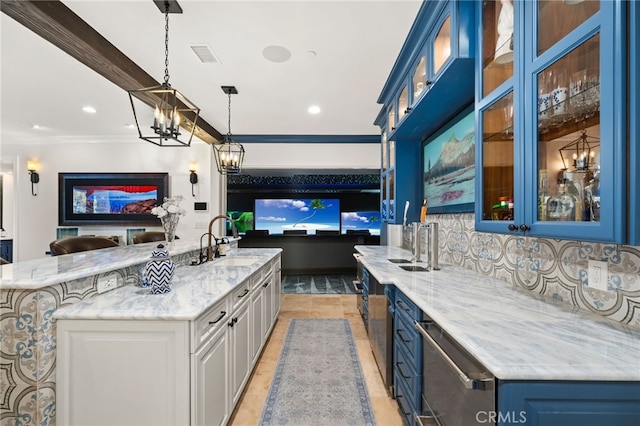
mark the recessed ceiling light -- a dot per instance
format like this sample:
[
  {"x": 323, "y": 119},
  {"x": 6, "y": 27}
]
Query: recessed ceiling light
[
  {"x": 130, "y": 126},
  {"x": 36, "y": 127},
  {"x": 89, "y": 109},
  {"x": 310, "y": 53},
  {"x": 314, "y": 109}
]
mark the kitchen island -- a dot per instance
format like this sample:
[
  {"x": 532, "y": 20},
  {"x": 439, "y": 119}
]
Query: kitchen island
[
  {"x": 537, "y": 349},
  {"x": 33, "y": 291}
]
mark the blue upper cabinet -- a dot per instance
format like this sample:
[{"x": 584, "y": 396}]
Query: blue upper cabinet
[
  {"x": 634, "y": 129},
  {"x": 431, "y": 81},
  {"x": 433, "y": 77},
  {"x": 551, "y": 99}
]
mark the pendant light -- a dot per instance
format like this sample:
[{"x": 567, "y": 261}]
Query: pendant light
[
  {"x": 229, "y": 154},
  {"x": 171, "y": 109}
]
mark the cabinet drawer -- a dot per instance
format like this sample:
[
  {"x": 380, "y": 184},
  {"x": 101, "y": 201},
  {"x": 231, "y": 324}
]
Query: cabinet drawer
[
  {"x": 258, "y": 278},
  {"x": 407, "y": 307},
  {"x": 240, "y": 294},
  {"x": 406, "y": 373},
  {"x": 209, "y": 322},
  {"x": 405, "y": 407},
  {"x": 405, "y": 336}
]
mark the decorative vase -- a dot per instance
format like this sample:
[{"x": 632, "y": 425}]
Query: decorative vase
[
  {"x": 159, "y": 271},
  {"x": 169, "y": 224}
]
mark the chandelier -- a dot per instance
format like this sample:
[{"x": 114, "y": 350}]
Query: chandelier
[
  {"x": 171, "y": 109},
  {"x": 228, "y": 154}
]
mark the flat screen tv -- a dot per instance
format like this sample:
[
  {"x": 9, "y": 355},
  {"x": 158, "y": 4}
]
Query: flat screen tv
[
  {"x": 110, "y": 198},
  {"x": 361, "y": 221},
  {"x": 310, "y": 214},
  {"x": 243, "y": 221}
]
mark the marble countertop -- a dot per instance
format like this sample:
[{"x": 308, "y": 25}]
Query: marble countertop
[
  {"x": 516, "y": 334},
  {"x": 194, "y": 290},
  {"x": 46, "y": 271}
]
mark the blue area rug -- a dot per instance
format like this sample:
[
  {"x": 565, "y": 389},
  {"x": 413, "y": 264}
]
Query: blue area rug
[{"x": 318, "y": 379}]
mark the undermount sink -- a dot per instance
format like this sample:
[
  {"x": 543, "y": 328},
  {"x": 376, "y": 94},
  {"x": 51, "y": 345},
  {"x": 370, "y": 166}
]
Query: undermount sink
[
  {"x": 414, "y": 268},
  {"x": 399, "y": 260},
  {"x": 237, "y": 261}
]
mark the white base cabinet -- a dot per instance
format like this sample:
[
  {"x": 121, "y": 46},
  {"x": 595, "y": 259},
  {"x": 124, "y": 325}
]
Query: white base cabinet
[{"x": 165, "y": 372}]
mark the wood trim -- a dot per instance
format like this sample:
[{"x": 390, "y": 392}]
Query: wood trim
[{"x": 59, "y": 25}]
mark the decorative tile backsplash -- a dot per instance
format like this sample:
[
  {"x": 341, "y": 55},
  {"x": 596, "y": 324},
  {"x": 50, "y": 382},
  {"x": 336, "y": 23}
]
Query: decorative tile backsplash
[{"x": 554, "y": 268}]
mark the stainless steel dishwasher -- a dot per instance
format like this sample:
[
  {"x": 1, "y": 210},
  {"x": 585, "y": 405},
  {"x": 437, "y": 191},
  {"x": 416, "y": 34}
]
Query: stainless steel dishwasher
[
  {"x": 381, "y": 331},
  {"x": 456, "y": 388}
]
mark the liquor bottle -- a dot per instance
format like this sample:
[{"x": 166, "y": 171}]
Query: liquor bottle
[
  {"x": 592, "y": 194},
  {"x": 543, "y": 195},
  {"x": 561, "y": 206}
]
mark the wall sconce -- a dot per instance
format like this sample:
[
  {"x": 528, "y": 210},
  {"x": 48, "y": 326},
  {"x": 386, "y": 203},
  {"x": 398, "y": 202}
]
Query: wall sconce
[
  {"x": 32, "y": 166},
  {"x": 193, "y": 177}
]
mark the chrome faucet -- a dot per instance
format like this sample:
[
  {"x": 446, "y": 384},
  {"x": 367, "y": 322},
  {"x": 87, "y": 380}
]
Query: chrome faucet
[
  {"x": 416, "y": 241},
  {"x": 211, "y": 237}
]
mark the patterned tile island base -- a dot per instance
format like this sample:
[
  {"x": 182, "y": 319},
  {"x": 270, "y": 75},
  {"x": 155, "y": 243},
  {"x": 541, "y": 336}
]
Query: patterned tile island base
[{"x": 28, "y": 344}]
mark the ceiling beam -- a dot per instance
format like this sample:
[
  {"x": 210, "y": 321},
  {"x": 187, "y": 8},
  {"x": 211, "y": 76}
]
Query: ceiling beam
[{"x": 59, "y": 25}]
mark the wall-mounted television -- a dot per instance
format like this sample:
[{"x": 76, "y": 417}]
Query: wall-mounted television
[
  {"x": 110, "y": 198},
  {"x": 361, "y": 221},
  {"x": 242, "y": 220},
  {"x": 310, "y": 214}
]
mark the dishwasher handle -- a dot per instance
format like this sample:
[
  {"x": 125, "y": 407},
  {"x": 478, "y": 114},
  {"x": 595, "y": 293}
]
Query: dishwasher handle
[{"x": 468, "y": 382}]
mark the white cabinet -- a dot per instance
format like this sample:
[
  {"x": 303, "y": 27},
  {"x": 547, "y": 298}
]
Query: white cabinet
[
  {"x": 123, "y": 373},
  {"x": 211, "y": 403},
  {"x": 257, "y": 319},
  {"x": 164, "y": 372},
  {"x": 240, "y": 355}
]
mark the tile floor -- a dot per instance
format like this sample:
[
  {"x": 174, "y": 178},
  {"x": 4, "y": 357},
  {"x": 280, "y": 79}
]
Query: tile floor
[{"x": 250, "y": 406}]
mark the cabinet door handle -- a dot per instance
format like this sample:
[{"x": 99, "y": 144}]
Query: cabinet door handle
[
  {"x": 404, "y": 376},
  {"x": 404, "y": 413},
  {"x": 217, "y": 320},
  {"x": 266, "y": 284},
  {"x": 232, "y": 322},
  {"x": 525, "y": 228},
  {"x": 246, "y": 291},
  {"x": 512, "y": 227},
  {"x": 407, "y": 110},
  {"x": 398, "y": 332},
  {"x": 403, "y": 306}
]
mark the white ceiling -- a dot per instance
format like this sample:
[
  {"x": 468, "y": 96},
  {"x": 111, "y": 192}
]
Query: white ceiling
[{"x": 356, "y": 44}]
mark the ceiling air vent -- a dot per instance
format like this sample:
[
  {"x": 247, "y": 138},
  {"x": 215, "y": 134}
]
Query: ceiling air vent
[{"x": 205, "y": 54}]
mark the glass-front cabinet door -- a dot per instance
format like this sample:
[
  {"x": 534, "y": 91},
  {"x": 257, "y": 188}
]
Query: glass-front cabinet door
[
  {"x": 552, "y": 106},
  {"x": 419, "y": 79},
  {"x": 442, "y": 45}
]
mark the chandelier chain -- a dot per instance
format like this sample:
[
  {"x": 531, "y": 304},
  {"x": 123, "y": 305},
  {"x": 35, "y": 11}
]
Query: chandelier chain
[{"x": 166, "y": 45}]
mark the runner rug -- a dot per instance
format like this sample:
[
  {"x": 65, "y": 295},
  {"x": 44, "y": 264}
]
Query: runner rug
[{"x": 318, "y": 378}]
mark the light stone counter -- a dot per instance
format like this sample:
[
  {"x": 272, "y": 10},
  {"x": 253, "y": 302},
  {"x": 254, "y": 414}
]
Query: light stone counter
[
  {"x": 194, "y": 289},
  {"x": 516, "y": 334},
  {"x": 47, "y": 271}
]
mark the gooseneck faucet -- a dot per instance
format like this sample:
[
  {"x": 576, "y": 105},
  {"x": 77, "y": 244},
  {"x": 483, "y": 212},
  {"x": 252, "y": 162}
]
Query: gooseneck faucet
[{"x": 211, "y": 237}]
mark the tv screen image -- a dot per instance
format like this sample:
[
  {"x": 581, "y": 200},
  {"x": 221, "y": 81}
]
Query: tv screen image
[
  {"x": 243, "y": 221},
  {"x": 361, "y": 221},
  {"x": 310, "y": 214}
]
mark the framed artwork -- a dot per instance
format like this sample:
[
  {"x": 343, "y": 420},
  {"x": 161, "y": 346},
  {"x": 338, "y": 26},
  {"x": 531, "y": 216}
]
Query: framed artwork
[
  {"x": 110, "y": 198},
  {"x": 448, "y": 164}
]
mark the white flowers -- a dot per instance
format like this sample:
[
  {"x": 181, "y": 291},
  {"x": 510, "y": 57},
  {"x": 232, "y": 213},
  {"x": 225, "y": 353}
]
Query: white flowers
[{"x": 171, "y": 206}]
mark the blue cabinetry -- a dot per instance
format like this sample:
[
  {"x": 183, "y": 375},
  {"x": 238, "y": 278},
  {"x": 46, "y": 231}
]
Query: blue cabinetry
[
  {"x": 431, "y": 81},
  {"x": 553, "y": 119},
  {"x": 569, "y": 403},
  {"x": 407, "y": 358},
  {"x": 6, "y": 250}
]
